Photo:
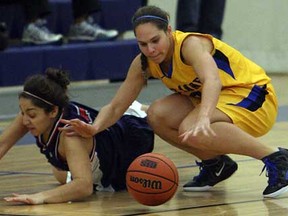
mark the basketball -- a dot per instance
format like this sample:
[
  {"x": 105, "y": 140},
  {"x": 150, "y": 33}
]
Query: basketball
[{"x": 152, "y": 179}]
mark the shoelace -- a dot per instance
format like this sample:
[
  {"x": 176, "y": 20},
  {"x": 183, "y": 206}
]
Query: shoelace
[
  {"x": 41, "y": 24},
  {"x": 88, "y": 29},
  {"x": 96, "y": 26},
  {"x": 271, "y": 172},
  {"x": 37, "y": 34},
  {"x": 201, "y": 169}
]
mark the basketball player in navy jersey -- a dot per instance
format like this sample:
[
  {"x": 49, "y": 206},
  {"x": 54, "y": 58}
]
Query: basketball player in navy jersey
[{"x": 81, "y": 165}]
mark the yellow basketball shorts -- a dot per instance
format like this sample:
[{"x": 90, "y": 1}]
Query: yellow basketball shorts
[{"x": 253, "y": 109}]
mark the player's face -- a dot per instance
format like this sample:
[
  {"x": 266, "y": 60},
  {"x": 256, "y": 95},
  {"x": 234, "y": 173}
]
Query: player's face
[
  {"x": 154, "y": 43},
  {"x": 35, "y": 118}
]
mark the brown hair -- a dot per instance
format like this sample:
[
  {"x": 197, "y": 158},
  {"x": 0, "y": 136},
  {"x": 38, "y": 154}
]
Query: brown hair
[
  {"x": 150, "y": 14},
  {"x": 51, "y": 87}
]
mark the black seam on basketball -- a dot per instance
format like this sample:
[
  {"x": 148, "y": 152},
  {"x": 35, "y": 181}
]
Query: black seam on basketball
[{"x": 133, "y": 171}]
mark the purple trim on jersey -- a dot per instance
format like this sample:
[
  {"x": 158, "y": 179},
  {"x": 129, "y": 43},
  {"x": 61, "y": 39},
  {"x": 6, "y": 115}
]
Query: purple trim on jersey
[
  {"x": 50, "y": 149},
  {"x": 255, "y": 99},
  {"x": 223, "y": 62}
]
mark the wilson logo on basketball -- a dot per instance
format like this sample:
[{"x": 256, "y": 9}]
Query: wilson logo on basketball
[
  {"x": 147, "y": 183},
  {"x": 148, "y": 163}
]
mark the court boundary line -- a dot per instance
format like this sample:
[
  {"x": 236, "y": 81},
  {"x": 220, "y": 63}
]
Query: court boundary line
[
  {"x": 7, "y": 173},
  {"x": 200, "y": 207}
]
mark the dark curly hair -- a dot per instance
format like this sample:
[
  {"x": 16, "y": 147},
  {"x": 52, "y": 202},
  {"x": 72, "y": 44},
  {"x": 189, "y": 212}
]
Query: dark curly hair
[{"x": 51, "y": 87}]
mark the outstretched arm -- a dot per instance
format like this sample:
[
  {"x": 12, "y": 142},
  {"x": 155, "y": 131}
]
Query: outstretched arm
[
  {"x": 76, "y": 151},
  {"x": 109, "y": 114},
  {"x": 205, "y": 67},
  {"x": 126, "y": 94},
  {"x": 12, "y": 134}
]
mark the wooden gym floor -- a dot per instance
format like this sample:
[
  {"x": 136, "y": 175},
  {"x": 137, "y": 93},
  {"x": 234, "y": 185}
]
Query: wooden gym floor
[{"x": 24, "y": 170}]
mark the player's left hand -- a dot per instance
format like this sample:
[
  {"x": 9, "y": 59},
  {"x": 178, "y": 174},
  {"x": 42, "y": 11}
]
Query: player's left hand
[{"x": 202, "y": 126}]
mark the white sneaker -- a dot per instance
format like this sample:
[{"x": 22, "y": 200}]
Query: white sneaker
[
  {"x": 36, "y": 33},
  {"x": 87, "y": 31},
  {"x": 105, "y": 34}
]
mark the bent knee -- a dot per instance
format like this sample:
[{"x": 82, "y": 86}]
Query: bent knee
[{"x": 155, "y": 114}]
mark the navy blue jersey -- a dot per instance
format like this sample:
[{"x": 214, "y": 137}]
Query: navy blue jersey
[{"x": 116, "y": 146}]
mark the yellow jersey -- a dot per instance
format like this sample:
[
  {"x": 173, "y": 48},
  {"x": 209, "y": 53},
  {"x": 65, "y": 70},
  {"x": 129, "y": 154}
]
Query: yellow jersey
[
  {"x": 244, "y": 85},
  {"x": 234, "y": 68}
]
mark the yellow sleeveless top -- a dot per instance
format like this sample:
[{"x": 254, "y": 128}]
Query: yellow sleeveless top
[{"x": 234, "y": 68}]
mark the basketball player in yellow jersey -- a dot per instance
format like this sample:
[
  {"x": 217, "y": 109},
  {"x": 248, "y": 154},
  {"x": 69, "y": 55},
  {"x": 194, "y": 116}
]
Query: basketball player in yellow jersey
[
  {"x": 239, "y": 77},
  {"x": 222, "y": 101}
]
